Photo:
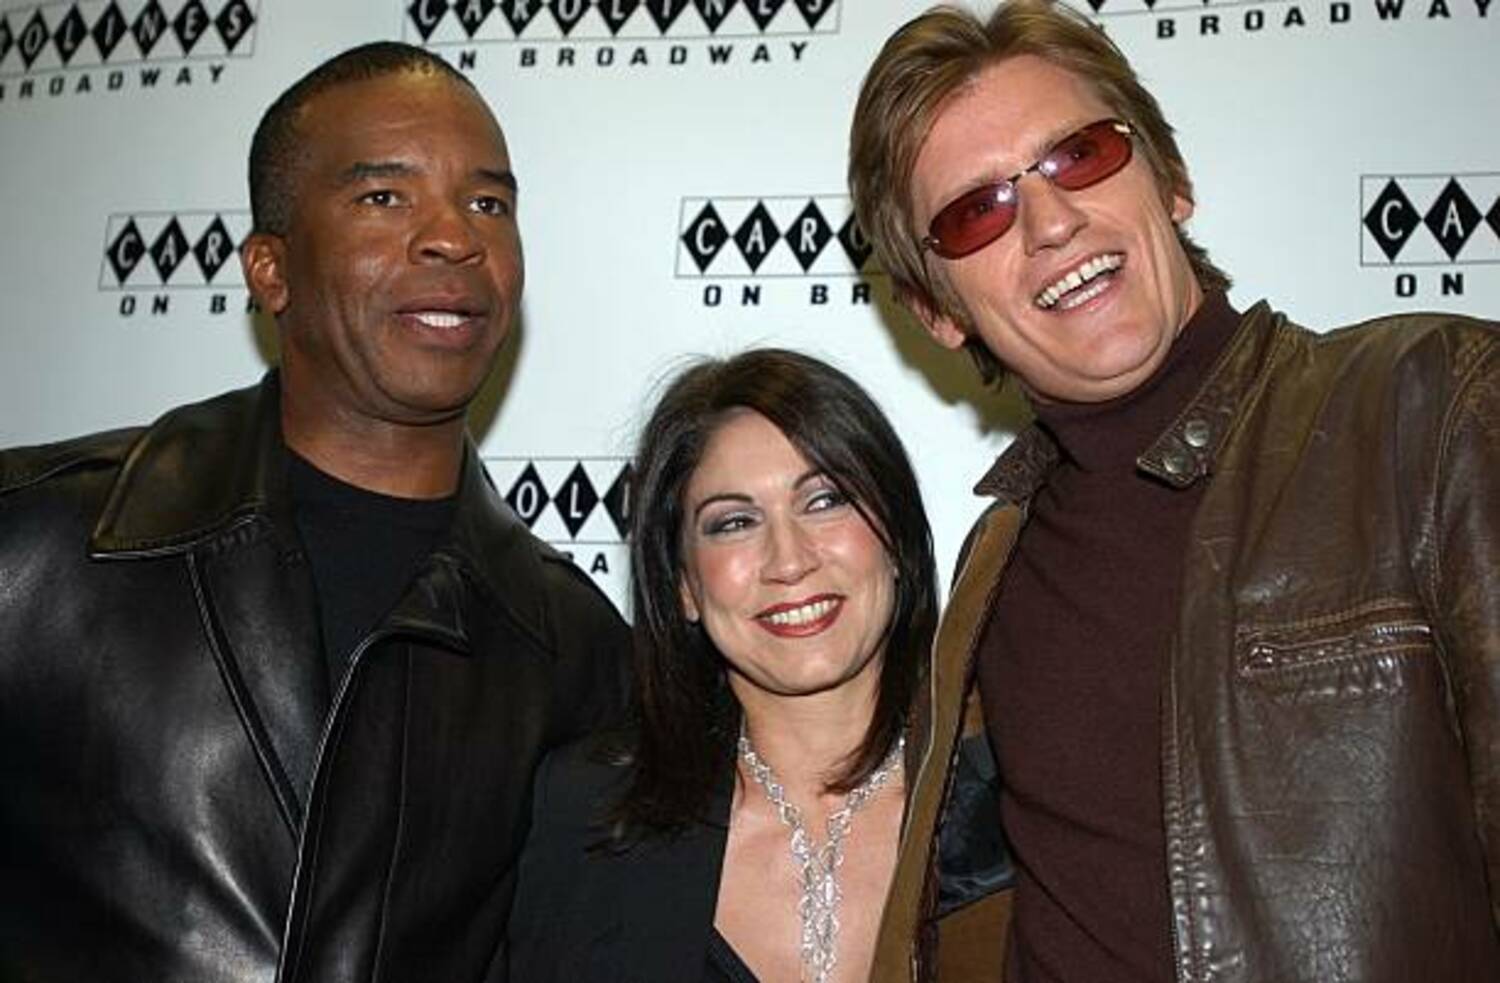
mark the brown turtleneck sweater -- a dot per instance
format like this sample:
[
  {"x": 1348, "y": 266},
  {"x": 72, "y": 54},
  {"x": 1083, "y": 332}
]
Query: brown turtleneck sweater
[{"x": 1070, "y": 669}]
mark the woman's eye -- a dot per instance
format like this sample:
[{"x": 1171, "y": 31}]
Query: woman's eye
[
  {"x": 724, "y": 524},
  {"x": 827, "y": 498}
]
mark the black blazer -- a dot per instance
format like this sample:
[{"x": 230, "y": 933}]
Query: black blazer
[
  {"x": 588, "y": 916},
  {"x": 646, "y": 915}
]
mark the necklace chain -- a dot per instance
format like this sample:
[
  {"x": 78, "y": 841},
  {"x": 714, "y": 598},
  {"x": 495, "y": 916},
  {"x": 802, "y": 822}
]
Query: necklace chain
[{"x": 818, "y": 866}]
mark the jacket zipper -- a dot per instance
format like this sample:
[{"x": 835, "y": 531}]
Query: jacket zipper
[{"x": 334, "y": 713}]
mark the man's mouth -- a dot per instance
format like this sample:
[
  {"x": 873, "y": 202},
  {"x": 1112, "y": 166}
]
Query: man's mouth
[
  {"x": 1081, "y": 284},
  {"x": 440, "y": 319}
]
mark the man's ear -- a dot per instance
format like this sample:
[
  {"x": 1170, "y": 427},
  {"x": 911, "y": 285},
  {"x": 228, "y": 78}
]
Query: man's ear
[
  {"x": 264, "y": 261},
  {"x": 942, "y": 328},
  {"x": 1182, "y": 208},
  {"x": 1179, "y": 200}
]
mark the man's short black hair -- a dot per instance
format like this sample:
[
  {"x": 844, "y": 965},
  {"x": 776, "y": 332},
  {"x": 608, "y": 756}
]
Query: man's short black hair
[{"x": 276, "y": 148}]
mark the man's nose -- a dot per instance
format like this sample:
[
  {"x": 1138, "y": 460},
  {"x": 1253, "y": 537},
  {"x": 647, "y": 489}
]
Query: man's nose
[
  {"x": 447, "y": 234},
  {"x": 1049, "y": 217}
]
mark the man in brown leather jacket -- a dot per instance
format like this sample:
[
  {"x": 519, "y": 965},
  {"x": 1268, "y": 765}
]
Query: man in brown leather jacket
[
  {"x": 1234, "y": 615},
  {"x": 275, "y": 672}
]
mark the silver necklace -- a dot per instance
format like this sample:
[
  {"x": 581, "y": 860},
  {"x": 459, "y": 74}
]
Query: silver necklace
[{"x": 818, "y": 866}]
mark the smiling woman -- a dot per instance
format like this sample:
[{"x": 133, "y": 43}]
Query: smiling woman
[{"x": 785, "y": 600}]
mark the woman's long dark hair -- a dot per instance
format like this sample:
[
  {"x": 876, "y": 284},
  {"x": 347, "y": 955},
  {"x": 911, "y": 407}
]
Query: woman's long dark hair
[{"x": 687, "y": 720}]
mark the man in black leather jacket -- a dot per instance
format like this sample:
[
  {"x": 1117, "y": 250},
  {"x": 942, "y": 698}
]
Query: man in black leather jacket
[{"x": 275, "y": 671}]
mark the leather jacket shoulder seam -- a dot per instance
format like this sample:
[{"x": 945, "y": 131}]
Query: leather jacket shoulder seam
[
  {"x": 1456, "y": 411},
  {"x": 28, "y": 466}
]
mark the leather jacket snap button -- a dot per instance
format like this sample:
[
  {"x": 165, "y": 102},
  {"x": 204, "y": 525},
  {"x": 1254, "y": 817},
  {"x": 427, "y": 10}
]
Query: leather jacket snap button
[{"x": 1196, "y": 432}]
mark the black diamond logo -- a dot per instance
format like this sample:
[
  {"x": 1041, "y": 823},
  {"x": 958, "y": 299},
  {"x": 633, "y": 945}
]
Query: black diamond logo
[
  {"x": 6, "y": 38},
  {"x": 1493, "y": 218},
  {"x": 70, "y": 34},
  {"x": 705, "y": 237},
  {"x": 813, "y": 10},
  {"x": 1452, "y": 218},
  {"x": 472, "y": 14},
  {"x": 34, "y": 38},
  {"x": 192, "y": 20},
  {"x": 713, "y": 12},
  {"x": 519, "y": 13},
  {"x": 576, "y": 499},
  {"x": 763, "y": 11},
  {"x": 528, "y": 496},
  {"x": 856, "y": 246},
  {"x": 568, "y": 13},
  {"x": 426, "y": 15},
  {"x": 213, "y": 248},
  {"x": 150, "y": 24},
  {"x": 808, "y": 235},
  {"x": 1094, "y": 5},
  {"x": 234, "y": 22},
  {"x": 126, "y": 251},
  {"x": 756, "y": 236},
  {"x": 1391, "y": 219},
  {"x": 617, "y": 500},
  {"x": 617, "y": 12},
  {"x": 664, "y": 12},
  {"x": 168, "y": 250},
  {"x": 109, "y": 29}
]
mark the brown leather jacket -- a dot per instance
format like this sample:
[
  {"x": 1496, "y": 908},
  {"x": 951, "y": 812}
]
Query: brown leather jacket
[{"x": 1331, "y": 704}]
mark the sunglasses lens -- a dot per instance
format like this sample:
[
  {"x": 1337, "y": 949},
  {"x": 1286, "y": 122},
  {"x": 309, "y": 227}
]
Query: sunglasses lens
[
  {"x": 1088, "y": 156},
  {"x": 973, "y": 220}
]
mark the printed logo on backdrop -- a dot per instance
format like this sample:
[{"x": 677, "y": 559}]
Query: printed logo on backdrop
[
  {"x": 1429, "y": 227},
  {"x": 161, "y": 261},
  {"x": 97, "y": 47},
  {"x": 579, "y": 506},
  {"x": 809, "y": 244},
  {"x": 621, "y": 34},
  {"x": 1177, "y": 20}
]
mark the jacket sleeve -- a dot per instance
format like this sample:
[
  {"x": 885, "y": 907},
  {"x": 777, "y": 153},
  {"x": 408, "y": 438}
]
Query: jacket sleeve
[
  {"x": 1465, "y": 588},
  {"x": 593, "y": 647}
]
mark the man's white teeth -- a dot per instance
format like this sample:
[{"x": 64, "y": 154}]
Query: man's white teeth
[
  {"x": 439, "y": 319},
  {"x": 802, "y": 615},
  {"x": 1055, "y": 292}
]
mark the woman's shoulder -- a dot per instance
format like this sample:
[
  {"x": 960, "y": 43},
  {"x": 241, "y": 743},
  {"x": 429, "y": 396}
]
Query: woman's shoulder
[{"x": 579, "y": 784}]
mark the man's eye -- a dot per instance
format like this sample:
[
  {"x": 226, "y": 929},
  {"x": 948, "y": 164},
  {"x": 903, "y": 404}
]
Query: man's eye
[
  {"x": 491, "y": 205},
  {"x": 382, "y": 198}
]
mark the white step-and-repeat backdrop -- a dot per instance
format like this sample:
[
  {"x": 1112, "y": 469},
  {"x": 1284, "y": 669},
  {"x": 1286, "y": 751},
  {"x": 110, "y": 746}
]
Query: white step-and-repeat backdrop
[{"x": 682, "y": 171}]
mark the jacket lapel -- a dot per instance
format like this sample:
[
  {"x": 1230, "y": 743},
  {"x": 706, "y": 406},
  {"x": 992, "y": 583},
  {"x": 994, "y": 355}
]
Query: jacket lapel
[
  {"x": 938, "y": 720},
  {"x": 257, "y": 603},
  {"x": 670, "y": 888},
  {"x": 207, "y": 483}
]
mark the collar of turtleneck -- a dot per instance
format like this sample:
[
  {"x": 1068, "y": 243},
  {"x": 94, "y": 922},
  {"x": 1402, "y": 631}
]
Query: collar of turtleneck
[{"x": 1109, "y": 436}]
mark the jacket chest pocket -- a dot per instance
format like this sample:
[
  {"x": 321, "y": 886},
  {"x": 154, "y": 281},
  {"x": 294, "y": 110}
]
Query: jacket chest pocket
[{"x": 1371, "y": 651}]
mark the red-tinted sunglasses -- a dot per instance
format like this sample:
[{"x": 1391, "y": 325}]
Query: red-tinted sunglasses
[{"x": 977, "y": 218}]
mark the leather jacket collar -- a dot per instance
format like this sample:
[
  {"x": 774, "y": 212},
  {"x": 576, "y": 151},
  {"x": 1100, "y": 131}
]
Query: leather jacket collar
[
  {"x": 1186, "y": 450},
  {"x": 231, "y": 447}
]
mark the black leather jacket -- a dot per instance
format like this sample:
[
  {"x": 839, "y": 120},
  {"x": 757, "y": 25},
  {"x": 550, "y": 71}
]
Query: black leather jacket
[{"x": 176, "y": 806}]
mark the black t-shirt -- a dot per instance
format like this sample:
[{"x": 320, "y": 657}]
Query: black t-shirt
[{"x": 363, "y": 548}]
